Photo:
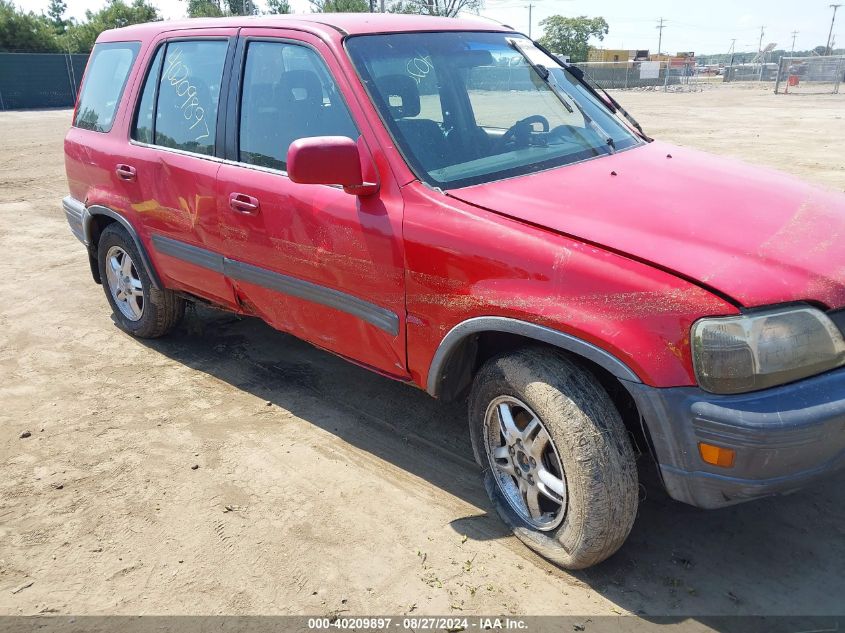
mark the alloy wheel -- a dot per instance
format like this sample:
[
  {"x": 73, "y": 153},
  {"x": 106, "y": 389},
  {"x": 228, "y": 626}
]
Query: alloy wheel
[
  {"x": 525, "y": 463},
  {"x": 125, "y": 284}
]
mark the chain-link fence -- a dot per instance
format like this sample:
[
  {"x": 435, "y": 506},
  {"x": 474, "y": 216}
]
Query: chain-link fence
[
  {"x": 810, "y": 75},
  {"x": 39, "y": 80},
  {"x": 751, "y": 72},
  {"x": 655, "y": 75}
]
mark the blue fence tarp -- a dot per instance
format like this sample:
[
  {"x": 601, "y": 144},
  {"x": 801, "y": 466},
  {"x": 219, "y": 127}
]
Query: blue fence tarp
[{"x": 40, "y": 80}]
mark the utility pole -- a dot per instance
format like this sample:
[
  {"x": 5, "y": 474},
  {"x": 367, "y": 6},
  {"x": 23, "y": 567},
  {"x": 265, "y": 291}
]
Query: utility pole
[
  {"x": 794, "y": 35},
  {"x": 832, "y": 20},
  {"x": 530, "y": 20},
  {"x": 732, "y": 53},
  {"x": 660, "y": 28},
  {"x": 761, "y": 57}
]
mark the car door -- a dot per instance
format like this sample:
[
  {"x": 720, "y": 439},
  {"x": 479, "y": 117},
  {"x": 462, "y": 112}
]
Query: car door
[
  {"x": 173, "y": 155},
  {"x": 312, "y": 260}
]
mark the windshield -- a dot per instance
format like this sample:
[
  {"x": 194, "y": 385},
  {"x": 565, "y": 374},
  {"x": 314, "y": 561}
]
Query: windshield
[{"x": 466, "y": 108}]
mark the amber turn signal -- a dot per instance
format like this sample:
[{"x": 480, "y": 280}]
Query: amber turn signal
[{"x": 717, "y": 455}]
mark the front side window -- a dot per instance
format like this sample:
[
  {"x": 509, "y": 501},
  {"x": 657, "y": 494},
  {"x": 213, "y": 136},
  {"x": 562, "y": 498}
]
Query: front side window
[
  {"x": 104, "y": 82},
  {"x": 188, "y": 85},
  {"x": 287, "y": 94},
  {"x": 503, "y": 108}
]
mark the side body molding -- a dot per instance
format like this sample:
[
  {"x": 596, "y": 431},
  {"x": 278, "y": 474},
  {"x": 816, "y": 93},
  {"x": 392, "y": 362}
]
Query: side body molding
[
  {"x": 376, "y": 315},
  {"x": 87, "y": 221},
  {"x": 470, "y": 327}
]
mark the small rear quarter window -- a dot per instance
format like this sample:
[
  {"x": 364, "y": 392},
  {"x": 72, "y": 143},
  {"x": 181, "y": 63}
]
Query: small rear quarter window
[{"x": 104, "y": 82}]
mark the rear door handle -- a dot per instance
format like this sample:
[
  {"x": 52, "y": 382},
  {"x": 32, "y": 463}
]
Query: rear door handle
[
  {"x": 125, "y": 172},
  {"x": 242, "y": 203}
]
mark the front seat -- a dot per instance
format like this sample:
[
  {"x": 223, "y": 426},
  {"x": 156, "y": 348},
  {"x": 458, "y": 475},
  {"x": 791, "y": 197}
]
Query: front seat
[
  {"x": 423, "y": 136},
  {"x": 302, "y": 95}
]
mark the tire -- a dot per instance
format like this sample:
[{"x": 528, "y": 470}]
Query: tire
[
  {"x": 138, "y": 307},
  {"x": 593, "y": 514}
]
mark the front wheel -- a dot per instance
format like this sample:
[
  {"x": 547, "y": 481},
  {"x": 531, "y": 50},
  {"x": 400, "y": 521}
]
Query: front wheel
[{"x": 558, "y": 463}]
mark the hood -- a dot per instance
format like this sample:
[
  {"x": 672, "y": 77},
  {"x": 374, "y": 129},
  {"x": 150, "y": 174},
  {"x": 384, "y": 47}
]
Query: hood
[{"x": 756, "y": 235}]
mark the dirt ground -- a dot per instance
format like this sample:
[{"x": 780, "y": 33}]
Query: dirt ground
[{"x": 322, "y": 488}]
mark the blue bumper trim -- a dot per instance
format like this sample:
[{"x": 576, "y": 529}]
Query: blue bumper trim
[
  {"x": 784, "y": 438},
  {"x": 74, "y": 212}
]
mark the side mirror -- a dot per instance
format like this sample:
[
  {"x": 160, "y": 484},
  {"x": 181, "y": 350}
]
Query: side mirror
[{"x": 328, "y": 160}]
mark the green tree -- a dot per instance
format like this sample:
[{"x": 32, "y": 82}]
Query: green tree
[
  {"x": 571, "y": 36},
  {"x": 116, "y": 14},
  {"x": 278, "y": 7},
  {"x": 402, "y": 6},
  {"x": 340, "y": 6},
  {"x": 240, "y": 7},
  {"x": 26, "y": 31},
  {"x": 218, "y": 8},
  {"x": 204, "y": 9},
  {"x": 445, "y": 8},
  {"x": 56, "y": 13}
]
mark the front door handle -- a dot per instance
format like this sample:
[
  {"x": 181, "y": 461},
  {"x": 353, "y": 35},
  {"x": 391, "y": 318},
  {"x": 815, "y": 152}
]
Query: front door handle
[
  {"x": 125, "y": 172},
  {"x": 242, "y": 203}
]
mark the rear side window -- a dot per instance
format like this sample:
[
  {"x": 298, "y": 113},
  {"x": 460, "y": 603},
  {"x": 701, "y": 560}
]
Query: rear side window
[
  {"x": 188, "y": 95},
  {"x": 105, "y": 80},
  {"x": 142, "y": 128},
  {"x": 287, "y": 94}
]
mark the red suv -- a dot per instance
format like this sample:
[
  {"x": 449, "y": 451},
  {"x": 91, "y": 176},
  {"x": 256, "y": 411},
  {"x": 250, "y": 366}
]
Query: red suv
[{"x": 448, "y": 204}]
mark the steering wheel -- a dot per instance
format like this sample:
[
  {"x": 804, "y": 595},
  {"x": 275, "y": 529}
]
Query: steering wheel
[
  {"x": 518, "y": 134},
  {"x": 562, "y": 131}
]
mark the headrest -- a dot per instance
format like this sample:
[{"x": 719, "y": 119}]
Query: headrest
[
  {"x": 301, "y": 85},
  {"x": 401, "y": 94}
]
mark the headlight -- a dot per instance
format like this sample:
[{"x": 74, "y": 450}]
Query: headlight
[{"x": 764, "y": 349}]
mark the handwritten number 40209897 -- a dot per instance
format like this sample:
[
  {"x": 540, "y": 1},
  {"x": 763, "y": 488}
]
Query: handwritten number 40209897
[{"x": 177, "y": 74}]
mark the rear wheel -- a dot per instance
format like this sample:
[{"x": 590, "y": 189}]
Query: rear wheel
[
  {"x": 558, "y": 463},
  {"x": 139, "y": 309}
]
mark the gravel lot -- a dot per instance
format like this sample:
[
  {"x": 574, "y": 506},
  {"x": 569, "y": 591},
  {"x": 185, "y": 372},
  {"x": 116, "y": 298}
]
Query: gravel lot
[{"x": 322, "y": 488}]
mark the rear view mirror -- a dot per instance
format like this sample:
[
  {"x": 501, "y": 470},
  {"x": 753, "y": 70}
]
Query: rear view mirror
[
  {"x": 328, "y": 160},
  {"x": 474, "y": 58}
]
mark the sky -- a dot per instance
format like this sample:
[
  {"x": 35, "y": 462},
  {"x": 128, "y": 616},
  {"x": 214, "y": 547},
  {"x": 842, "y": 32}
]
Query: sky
[{"x": 703, "y": 27}]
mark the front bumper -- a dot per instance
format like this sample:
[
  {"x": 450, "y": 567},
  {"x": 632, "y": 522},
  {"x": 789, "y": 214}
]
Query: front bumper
[{"x": 784, "y": 437}]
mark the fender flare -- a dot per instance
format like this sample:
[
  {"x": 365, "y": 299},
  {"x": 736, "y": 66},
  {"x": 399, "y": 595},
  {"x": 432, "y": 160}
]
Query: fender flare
[
  {"x": 87, "y": 220},
  {"x": 458, "y": 334}
]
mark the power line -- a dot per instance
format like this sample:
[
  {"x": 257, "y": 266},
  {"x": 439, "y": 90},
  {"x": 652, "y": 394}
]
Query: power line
[
  {"x": 794, "y": 35},
  {"x": 720, "y": 29}
]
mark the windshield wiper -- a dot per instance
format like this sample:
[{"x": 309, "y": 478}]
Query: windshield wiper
[
  {"x": 551, "y": 81},
  {"x": 544, "y": 74},
  {"x": 616, "y": 106},
  {"x": 624, "y": 113},
  {"x": 582, "y": 78}
]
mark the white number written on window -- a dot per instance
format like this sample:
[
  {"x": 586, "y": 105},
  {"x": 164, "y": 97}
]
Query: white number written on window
[{"x": 178, "y": 74}]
